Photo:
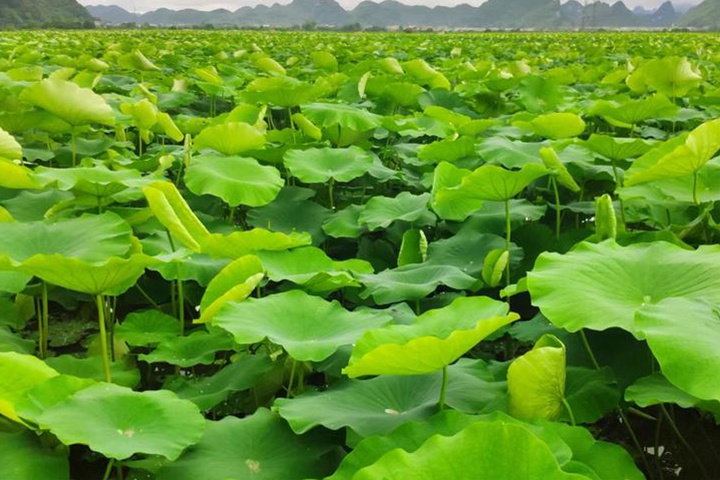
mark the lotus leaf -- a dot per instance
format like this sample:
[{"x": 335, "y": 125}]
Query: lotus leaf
[
  {"x": 231, "y": 138},
  {"x": 319, "y": 165},
  {"x": 147, "y": 328},
  {"x": 380, "y": 212},
  {"x": 234, "y": 283},
  {"x": 236, "y": 180},
  {"x": 603, "y": 286},
  {"x": 232, "y": 445},
  {"x": 24, "y": 458},
  {"x": 77, "y": 106},
  {"x": 308, "y": 327},
  {"x": 436, "y": 339},
  {"x": 119, "y": 423},
  {"x": 198, "y": 348},
  {"x": 20, "y": 373}
]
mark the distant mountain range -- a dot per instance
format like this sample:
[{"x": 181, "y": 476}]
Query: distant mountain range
[
  {"x": 515, "y": 14},
  {"x": 42, "y": 13}
]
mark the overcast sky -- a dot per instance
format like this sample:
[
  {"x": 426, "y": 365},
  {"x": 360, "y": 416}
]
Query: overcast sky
[{"x": 143, "y": 6}]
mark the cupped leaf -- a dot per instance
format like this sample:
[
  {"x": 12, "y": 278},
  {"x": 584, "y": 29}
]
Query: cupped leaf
[
  {"x": 18, "y": 375},
  {"x": 175, "y": 214},
  {"x": 682, "y": 334},
  {"x": 602, "y": 286},
  {"x": 346, "y": 116},
  {"x": 75, "y": 105},
  {"x": 10, "y": 149},
  {"x": 234, "y": 283},
  {"x": 238, "y": 244},
  {"x": 236, "y": 180},
  {"x": 319, "y": 165},
  {"x": 230, "y": 138},
  {"x": 96, "y": 181},
  {"x": 309, "y": 328},
  {"x": 260, "y": 446},
  {"x": 16, "y": 176},
  {"x": 536, "y": 381},
  {"x": 436, "y": 339},
  {"x": 558, "y": 125},
  {"x": 49, "y": 393},
  {"x": 617, "y": 148}
]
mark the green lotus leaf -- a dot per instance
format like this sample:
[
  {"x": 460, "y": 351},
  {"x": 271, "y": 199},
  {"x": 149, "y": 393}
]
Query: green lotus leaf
[
  {"x": 281, "y": 91},
  {"x": 557, "y": 169},
  {"x": 75, "y": 105},
  {"x": 508, "y": 153},
  {"x": 137, "y": 61},
  {"x": 173, "y": 212},
  {"x": 327, "y": 115},
  {"x": 558, "y": 125},
  {"x": 306, "y": 126},
  {"x": 123, "y": 372},
  {"x": 309, "y": 328},
  {"x": 119, "y": 423},
  {"x": 655, "y": 389},
  {"x": 18, "y": 375},
  {"x": 93, "y": 238},
  {"x": 409, "y": 437},
  {"x": 380, "y": 212},
  {"x": 238, "y": 244},
  {"x": 447, "y": 150},
  {"x": 269, "y": 65},
  {"x": 681, "y": 333},
  {"x": 467, "y": 251},
  {"x": 324, "y": 60},
  {"x": 500, "y": 450},
  {"x": 536, "y": 381},
  {"x": 368, "y": 407},
  {"x": 10, "y": 149},
  {"x": 96, "y": 181},
  {"x": 141, "y": 329},
  {"x": 448, "y": 201},
  {"x": 590, "y": 393},
  {"x": 234, "y": 283},
  {"x": 345, "y": 223},
  {"x": 198, "y": 348},
  {"x": 208, "y": 391},
  {"x": 616, "y": 148},
  {"x": 436, "y": 339},
  {"x": 602, "y": 286},
  {"x": 413, "y": 248},
  {"x": 494, "y": 266},
  {"x": 16, "y": 176},
  {"x": 24, "y": 458},
  {"x": 49, "y": 393},
  {"x": 491, "y": 182},
  {"x": 426, "y": 74},
  {"x": 167, "y": 126},
  {"x": 319, "y": 165},
  {"x": 10, "y": 342},
  {"x": 231, "y": 138},
  {"x": 699, "y": 147},
  {"x": 231, "y": 446},
  {"x": 143, "y": 114},
  {"x": 413, "y": 282},
  {"x": 629, "y": 113},
  {"x": 236, "y": 180},
  {"x": 670, "y": 76},
  {"x": 592, "y": 458}
]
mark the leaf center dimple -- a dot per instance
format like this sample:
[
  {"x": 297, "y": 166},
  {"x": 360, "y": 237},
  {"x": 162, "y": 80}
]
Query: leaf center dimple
[
  {"x": 391, "y": 411},
  {"x": 129, "y": 433},
  {"x": 253, "y": 465}
]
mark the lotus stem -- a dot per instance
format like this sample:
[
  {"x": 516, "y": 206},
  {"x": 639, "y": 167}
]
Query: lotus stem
[
  {"x": 443, "y": 389},
  {"x": 108, "y": 469},
  {"x": 682, "y": 439},
  {"x": 73, "y": 146},
  {"x": 45, "y": 317},
  {"x": 508, "y": 233},
  {"x": 103, "y": 337},
  {"x": 292, "y": 379},
  {"x": 181, "y": 302},
  {"x": 569, "y": 411},
  {"x": 331, "y": 193},
  {"x": 696, "y": 200},
  {"x": 558, "y": 217},
  {"x": 618, "y": 184}
]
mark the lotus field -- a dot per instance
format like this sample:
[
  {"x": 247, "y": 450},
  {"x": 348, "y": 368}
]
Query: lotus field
[{"x": 235, "y": 255}]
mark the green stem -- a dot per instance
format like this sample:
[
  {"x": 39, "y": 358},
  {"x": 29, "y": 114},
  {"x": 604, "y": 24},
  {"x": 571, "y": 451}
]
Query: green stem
[
  {"x": 119, "y": 471},
  {"x": 103, "y": 337},
  {"x": 41, "y": 333},
  {"x": 147, "y": 297},
  {"x": 696, "y": 200},
  {"x": 233, "y": 210},
  {"x": 618, "y": 185},
  {"x": 508, "y": 233},
  {"x": 589, "y": 351},
  {"x": 292, "y": 379},
  {"x": 108, "y": 469},
  {"x": 658, "y": 429},
  {"x": 558, "y": 217},
  {"x": 73, "y": 146},
  {"x": 45, "y": 318},
  {"x": 331, "y": 193},
  {"x": 682, "y": 439},
  {"x": 443, "y": 389},
  {"x": 569, "y": 411},
  {"x": 181, "y": 303}
]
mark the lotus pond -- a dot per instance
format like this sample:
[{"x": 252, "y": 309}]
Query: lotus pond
[{"x": 234, "y": 255}]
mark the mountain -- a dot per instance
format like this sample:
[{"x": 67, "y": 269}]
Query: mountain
[
  {"x": 505, "y": 14},
  {"x": 706, "y": 15},
  {"x": 42, "y": 12}
]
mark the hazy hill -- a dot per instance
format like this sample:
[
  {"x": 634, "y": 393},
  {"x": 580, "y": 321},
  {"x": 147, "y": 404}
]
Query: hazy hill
[
  {"x": 705, "y": 15},
  {"x": 42, "y": 12}
]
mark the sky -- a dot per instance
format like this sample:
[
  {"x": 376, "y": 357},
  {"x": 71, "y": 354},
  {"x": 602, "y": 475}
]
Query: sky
[{"x": 141, "y": 6}]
